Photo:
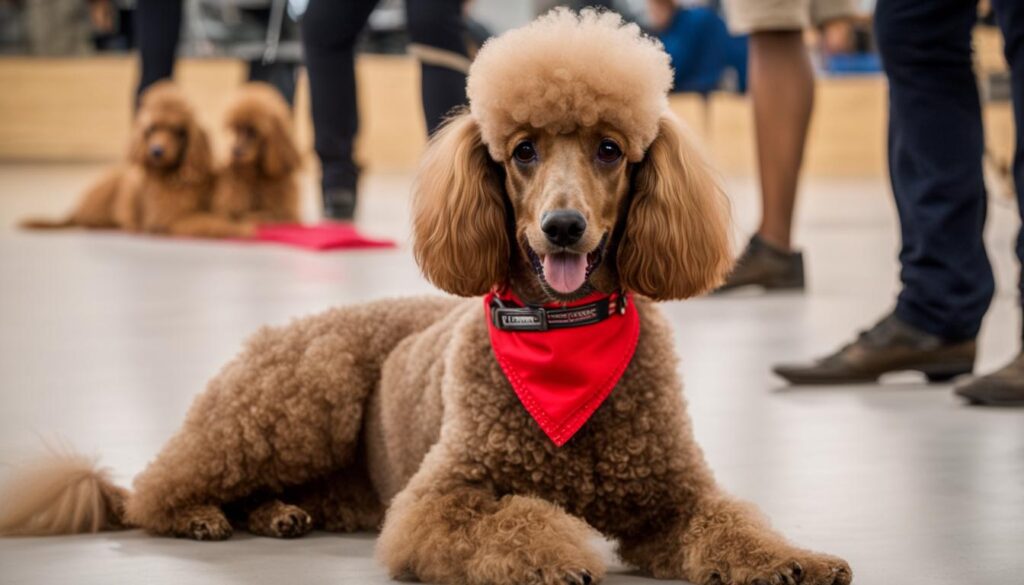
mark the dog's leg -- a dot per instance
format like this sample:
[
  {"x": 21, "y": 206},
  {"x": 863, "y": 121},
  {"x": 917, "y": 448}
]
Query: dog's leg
[
  {"x": 287, "y": 411},
  {"x": 208, "y": 225},
  {"x": 344, "y": 501},
  {"x": 724, "y": 541},
  {"x": 451, "y": 532}
]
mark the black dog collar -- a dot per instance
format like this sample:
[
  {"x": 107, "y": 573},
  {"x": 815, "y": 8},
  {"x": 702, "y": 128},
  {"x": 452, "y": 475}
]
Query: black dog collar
[{"x": 534, "y": 318}]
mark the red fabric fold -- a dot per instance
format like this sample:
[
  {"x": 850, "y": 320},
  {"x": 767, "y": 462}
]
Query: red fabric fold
[
  {"x": 562, "y": 376},
  {"x": 325, "y": 236}
]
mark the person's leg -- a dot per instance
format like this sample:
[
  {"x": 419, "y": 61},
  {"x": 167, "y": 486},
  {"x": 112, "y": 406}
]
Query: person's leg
[
  {"x": 935, "y": 148},
  {"x": 282, "y": 75},
  {"x": 438, "y": 26},
  {"x": 157, "y": 28},
  {"x": 1005, "y": 386},
  {"x": 1010, "y": 17},
  {"x": 782, "y": 92},
  {"x": 279, "y": 74},
  {"x": 329, "y": 32},
  {"x": 781, "y": 85}
]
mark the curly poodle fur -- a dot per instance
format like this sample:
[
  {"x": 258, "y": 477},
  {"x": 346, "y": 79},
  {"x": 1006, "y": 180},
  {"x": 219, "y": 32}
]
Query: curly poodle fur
[
  {"x": 565, "y": 71},
  {"x": 399, "y": 408},
  {"x": 166, "y": 179},
  {"x": 259, "y": 183}
]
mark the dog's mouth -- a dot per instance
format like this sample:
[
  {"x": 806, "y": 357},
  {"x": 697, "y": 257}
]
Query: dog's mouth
[{"x": 566, "y": 273}]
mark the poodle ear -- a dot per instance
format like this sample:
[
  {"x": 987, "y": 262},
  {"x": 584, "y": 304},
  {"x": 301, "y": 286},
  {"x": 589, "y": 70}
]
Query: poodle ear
[
  {"x": 280, "y": 154},
  {"x": 676, "y": 240},
  {"x": 197, "y": 162},
  {"x": 459, "y": 232},
  {"x": 137, "y": 142}
]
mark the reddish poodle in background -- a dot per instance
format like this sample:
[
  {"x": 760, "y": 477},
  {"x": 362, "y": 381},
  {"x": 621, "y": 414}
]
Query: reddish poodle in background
[
  {"x": 259, "y": 183},
  {"x": 399, "y": 410},
  {"x": 169, "y": 185},
  {"x": 167, "y": 177}
]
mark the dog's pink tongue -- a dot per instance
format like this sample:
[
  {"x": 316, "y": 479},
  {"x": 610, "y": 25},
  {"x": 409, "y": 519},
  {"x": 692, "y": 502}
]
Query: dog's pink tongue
[{"x": 565, "y": 272}]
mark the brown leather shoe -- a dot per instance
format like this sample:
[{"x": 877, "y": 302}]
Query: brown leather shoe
[
  {"x": 889, "y": 346},
  {"x": 764, "y": 265},
  {"x": 1003, "y": 387}
]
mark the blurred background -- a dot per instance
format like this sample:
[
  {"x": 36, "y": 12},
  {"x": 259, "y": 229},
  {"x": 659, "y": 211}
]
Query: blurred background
[{"x": 67, "y": 69}]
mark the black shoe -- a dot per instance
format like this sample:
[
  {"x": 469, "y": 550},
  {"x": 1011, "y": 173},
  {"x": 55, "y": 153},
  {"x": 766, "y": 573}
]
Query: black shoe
[
  {"x": 1003, "y": 387},
  {"x": 340, "y": 204},
  {"x": 889, "y": 346},
  {"x": 764, "y": 265}
]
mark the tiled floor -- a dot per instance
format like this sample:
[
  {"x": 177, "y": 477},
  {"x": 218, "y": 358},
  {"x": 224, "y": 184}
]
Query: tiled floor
[{"x": 105, "y": 339}]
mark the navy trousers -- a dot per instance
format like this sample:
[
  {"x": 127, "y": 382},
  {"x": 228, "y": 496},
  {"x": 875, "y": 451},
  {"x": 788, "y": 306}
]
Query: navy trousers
[
  {"x": 936, "y": 145},
  {"x": 330, "y": 29}
]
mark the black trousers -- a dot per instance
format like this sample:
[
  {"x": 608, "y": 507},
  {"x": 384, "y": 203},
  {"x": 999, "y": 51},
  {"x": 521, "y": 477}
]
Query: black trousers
[
  {"x": 330, "y": 29},
  {"x": 157, "y": 30},
  {"x": 936, "y": 145}
]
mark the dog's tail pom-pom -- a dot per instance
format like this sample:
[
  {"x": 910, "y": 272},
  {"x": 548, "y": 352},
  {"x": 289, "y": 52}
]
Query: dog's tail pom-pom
[{"x": 63, "y": 493}]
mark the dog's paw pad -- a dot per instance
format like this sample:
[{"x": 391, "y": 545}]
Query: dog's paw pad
[{"x": 291, "y": 522}]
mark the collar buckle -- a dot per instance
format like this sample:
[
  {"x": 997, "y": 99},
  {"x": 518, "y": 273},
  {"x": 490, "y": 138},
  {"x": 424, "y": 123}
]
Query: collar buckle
[{"x": 519, "y": 318}]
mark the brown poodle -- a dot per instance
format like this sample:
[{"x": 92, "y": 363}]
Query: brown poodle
[
  {"x": 166, "y": 179},
  {"x": 400, "y": 408},
  {"x": 259, "y": 182}
]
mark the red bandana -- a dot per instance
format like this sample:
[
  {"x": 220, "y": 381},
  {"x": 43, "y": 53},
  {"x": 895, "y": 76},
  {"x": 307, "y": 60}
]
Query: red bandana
[{"x": 563, "y": 375}]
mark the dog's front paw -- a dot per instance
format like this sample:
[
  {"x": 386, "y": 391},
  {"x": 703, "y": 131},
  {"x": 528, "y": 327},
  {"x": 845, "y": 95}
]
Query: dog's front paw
[
  {"x": 797, "y": 568},
  {"x": 569, "y": 574},
  {"x": 279, "y": 520},
  {"x": 571, "y": 577},
  {"x": 540, "y": 560},
  {"x": 202, "y": 523}
]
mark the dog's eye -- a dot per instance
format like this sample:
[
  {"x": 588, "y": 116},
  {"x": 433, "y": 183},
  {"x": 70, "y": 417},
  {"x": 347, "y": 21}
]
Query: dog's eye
[
  {"x": 608, "y": 151},
  {"x": 525, "y": 152}
]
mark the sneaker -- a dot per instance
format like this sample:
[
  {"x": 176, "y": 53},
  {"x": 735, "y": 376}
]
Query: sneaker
[{"x": 764, "y": 265}]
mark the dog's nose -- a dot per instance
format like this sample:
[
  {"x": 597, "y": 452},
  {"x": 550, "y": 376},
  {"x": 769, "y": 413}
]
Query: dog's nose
[
  {"x": 156, "y": 152},
  {"x": 563, "y": 227},
  {"x": 237, "y": 151}
]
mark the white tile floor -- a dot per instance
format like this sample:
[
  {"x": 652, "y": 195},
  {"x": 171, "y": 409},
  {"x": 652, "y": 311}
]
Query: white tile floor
[{"x": 105, "y": 339}]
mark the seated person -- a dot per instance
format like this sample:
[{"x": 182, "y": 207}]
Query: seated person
[{"x": 704, "y": 55}]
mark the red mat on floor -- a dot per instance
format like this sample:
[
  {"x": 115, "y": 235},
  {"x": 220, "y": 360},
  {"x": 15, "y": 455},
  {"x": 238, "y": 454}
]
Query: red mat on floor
[{"x": 320, "y": 237}]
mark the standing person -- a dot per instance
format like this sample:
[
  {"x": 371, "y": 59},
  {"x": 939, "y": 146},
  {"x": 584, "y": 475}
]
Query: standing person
[
  {"x": 158, "y": 30},
  {"x": 782, "y": 91},
  {"x": 330, "y": 29},
  {"x": 935, "y": 161}
]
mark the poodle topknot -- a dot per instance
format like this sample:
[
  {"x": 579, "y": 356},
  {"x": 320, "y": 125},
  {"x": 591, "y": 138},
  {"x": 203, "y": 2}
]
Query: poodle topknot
[{"x": 565, "y": 71}]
